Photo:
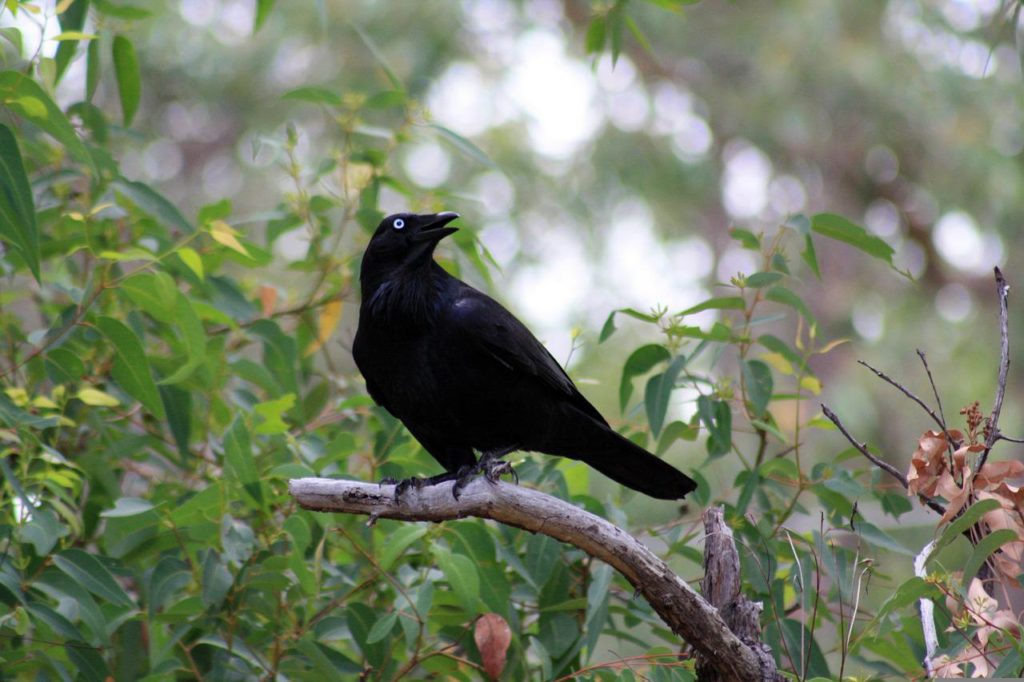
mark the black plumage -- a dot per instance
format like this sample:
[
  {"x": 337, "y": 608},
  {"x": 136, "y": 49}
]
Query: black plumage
[{"x": 464, "y": 375}]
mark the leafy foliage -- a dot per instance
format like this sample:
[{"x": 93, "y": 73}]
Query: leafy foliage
[{"x": 157, "y": 395}]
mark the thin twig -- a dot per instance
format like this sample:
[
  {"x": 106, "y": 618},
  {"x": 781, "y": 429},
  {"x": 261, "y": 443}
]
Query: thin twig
[
  {"x": 1003, "y": 291},
  {"x": 935, "y": 391},
  {"x": 1009, "y": 438},
  {"x": 906, "y": 391},
  {"x": 885, "y": 466}
]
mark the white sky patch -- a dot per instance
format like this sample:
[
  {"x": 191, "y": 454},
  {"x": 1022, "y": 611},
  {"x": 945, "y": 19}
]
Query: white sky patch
[
  {"x": 883, "y": 218},
  {"x": 692, "y": 139},
  {"x": 734, "y": 261},
  {"x": 496, "y": 194},
  {"x": 463, "y": 99},
  {"x": 961, "y": 244},
  {"x": 953, "y": 302},
  {"x": 556, "y": 94},
  {"x": 629, "y": 109},
  {"x": 618, "y": 77},
  {"x": 554, "y": 291},
  {"x": 427, "y": 164},
  {"x": 868, "y": 318},
  {"x": 640, "y": 270},
  {"x": 293, "y": 245},
  {"x": 502, "y": 240},
  {"x": 787, "y": 195},
  {"x": 745, "y": 179},
  {"x": 35, "y": 29}
]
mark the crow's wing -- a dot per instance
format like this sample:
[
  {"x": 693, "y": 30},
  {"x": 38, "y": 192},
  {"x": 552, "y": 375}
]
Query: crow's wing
[{"x": 483, "y": 323}]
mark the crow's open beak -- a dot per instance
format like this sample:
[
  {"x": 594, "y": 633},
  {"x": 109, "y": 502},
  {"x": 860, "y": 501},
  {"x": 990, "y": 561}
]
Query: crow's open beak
[{"x": 435, "y": 230}]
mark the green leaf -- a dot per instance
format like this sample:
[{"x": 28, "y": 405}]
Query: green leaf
[
  {"x": 129, "y": 82},
  {"x": 640, "y": 362},
  {"x": 721, "y": 303},
  {"x": 42, "y": 531},
  {"x": 239, "y": 459},
  {"x": 757, "y": 377},
  {"x": 746, "y": 238},
  {"x": 616, "y": 23},
  {"x": 149, "y": 201},
  {"x": 596, "y": 35},
  {"x": 597, "y": 605},
  {"x": 93, "y": 69},
  {"x": 781, "y": 294},
  {"x": 217, "y": 579},
  {"x": 674, "y": 431},
  {"x": 382, "y": 628},
  {"x": 72, "y": 20},
  {"x": 384, "y": 100},
  {"x": 989, "y": 544},
  {"x": 608, "y": 328},
  {"x": 906, "y": 594},
  {"x": 88, "y": 663},
  {"x": 967, "y": 519},
  {"x": 397, "y": 542},
  {"x": 154, "y": 292},
  {"x": 777, "y": 345},
  {"x": 25, "y": 97},
  {"x": 314, "y": 94},
  {"x": 193, "y": 337},
  {"x": 463, "y": 146},
  {"x": 717, "y": 419},
  {"x": 129, "y": 12},
  {"x": 462, "y": 577},
  {"x": 839, "y": 228},
  {"x": 131, "y": 368},
  {"x": 763, "y": 279},
  {"x": 88, "y": 572},
  {"x": 178, "y": 406},
  {"x": 801, "y": 224},
  {"x": 127, "y": 506},
  {"x": 271, "y": 414},
  {"x": 263, "y": 8},
  {"x": 379, "y": 56},
  {"x": 658, "y": 391},
  {"x": 17, "y": 206}
]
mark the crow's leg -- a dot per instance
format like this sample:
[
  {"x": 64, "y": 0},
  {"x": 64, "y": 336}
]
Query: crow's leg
[
  {"x": 491, "y": 466},
  {"x": 416, "y": 482}
]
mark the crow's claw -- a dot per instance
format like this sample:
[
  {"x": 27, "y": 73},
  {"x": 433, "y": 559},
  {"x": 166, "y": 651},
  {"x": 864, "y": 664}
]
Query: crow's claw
[{"x": 489, "y": 466}]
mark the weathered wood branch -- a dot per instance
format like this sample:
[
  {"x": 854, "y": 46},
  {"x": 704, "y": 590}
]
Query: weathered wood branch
[{"x": 722, "y": 653}]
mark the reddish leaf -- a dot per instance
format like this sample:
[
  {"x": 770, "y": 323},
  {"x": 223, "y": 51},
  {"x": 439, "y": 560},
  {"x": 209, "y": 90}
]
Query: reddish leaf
[{"x": 492, "y": 636}]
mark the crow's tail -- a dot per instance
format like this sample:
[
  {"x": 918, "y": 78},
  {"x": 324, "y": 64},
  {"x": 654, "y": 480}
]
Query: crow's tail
[{"x": 625, "y": 462}]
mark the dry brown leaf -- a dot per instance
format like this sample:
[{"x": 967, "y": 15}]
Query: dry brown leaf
[
  {"x": 994, "y": 473},
  {"x": 492, "y": 636},
  {"x": 1009, "y": 560},
  {"x": 927, "y": 463},
  {"x": 956, "y": 495},
  {"x": 268, "y": 298}
]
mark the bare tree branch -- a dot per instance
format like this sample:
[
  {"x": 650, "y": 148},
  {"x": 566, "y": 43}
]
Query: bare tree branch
[
  {"x": 1003, "y": 292},
  {"x": 678, "y": 605},
  {"x": 881, "y": 464},
  {"x": 892, "y": 382}
]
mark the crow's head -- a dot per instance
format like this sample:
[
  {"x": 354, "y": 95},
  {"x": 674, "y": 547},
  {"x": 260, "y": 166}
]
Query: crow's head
[{"x": 405, "y": 240}]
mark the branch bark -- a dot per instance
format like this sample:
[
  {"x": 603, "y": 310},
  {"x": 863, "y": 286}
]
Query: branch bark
[{"x": 681, "y": 608}]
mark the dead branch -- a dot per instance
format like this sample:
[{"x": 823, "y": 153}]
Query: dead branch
[
  {"x": 1003, "y": 292},
  {"x": 687, "y": 613},
  {"x": 881, "y": 464}
]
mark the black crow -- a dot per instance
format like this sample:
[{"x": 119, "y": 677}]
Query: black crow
[{"x": 464, "y": 375}]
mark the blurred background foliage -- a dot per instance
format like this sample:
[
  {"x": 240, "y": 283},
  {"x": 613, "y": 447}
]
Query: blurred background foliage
[{"x": 183, "y": 350}]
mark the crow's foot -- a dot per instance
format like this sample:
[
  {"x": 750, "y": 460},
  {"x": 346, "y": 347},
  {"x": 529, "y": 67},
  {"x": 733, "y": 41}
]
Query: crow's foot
[{"x": 490, "y": 466}]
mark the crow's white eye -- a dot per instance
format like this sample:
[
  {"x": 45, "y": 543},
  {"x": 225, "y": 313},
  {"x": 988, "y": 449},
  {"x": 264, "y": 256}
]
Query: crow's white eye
[{"x": 398, "y": 224}]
